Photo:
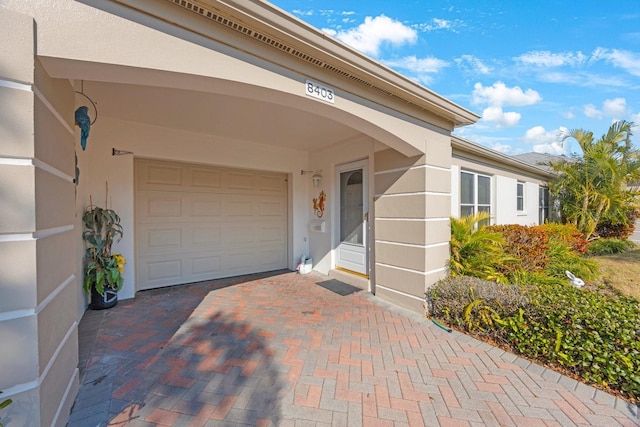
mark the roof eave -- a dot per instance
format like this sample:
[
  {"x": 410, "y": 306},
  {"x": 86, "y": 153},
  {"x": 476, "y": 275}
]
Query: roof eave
[
  {"x": 287, "y": 28},
  {"x": 461, "y": 144}
]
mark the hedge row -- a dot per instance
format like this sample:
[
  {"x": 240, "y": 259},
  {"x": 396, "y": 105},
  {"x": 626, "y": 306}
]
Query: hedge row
[{"x": 590, "y": 334}]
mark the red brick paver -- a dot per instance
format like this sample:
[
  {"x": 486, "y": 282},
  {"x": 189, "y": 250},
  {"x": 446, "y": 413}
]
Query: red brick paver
[{"x": 277, "y": 349}]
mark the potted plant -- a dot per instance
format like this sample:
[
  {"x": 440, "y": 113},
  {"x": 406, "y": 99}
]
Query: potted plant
[{"x": 103, "y": 269}]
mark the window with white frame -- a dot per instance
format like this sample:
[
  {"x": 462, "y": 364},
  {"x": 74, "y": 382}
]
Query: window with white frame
[
  {"x": 475, "y": 193},
  {"x": 543, "y": 215},
  {"x": 520, "y": 196}
]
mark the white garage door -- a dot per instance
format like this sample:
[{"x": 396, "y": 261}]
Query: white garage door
[{"x": 197, "y": 222}]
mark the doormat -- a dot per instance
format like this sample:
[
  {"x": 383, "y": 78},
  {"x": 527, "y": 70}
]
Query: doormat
[{"x": 338, "y": 287}]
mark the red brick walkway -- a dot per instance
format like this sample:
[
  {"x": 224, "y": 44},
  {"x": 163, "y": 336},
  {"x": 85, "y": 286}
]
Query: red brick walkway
[{"x": 281, "y": 350}]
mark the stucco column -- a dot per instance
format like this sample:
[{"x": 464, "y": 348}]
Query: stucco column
[
  {"x": 38, "y": 286},
  {"x": 412, "y": 208}
]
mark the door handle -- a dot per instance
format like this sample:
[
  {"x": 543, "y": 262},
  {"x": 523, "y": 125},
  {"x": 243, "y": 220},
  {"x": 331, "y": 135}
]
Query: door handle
[{"x": 366, "y": 216}]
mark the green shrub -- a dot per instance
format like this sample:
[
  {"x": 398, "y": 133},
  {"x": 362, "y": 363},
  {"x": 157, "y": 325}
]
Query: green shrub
[
  {"x": 563, "y": 258},
  {"x": 609, "y": 246},
  {"x": 475, "y": 304},
  {"x": 568, "y": 233},
  {"x": 549, "y": 251},
  {"x": 528, "y": 277},
  {"x": 476, "y": 251},
  {"x": 620, "y": 229},
  {"x": 590, "y": 334}
]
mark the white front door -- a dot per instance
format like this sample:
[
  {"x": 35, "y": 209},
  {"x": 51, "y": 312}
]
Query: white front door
[{"x": 353, "y": 217}]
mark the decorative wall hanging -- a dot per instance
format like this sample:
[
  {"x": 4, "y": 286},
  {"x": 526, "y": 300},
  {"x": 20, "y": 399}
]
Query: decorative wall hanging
[
  {"x": 82, "y": 119},
  {"x": 318, "y": 204}
]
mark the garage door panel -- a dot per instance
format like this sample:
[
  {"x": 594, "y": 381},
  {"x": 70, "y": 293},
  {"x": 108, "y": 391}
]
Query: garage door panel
[
  {"x": 241, "y": 181},
  {"x": 270, "y": 208},
  {"x": 208, "y": 237},
  {"x": 163, "y": 239},
  {"x": 158, "y": 205},
  {"x": 207, "y": 222},
  {"x": 270, "y": 234},
  {"x": 162, "y": 174},
  {"x": 210, "y": 179},
  {"x": 209, "y": 265},
  {"x": 269, "y": 259},
  {"x": 270, "y": 184},
  {"x": 238, "y": 207},
  {"x": 205, "y": 206},
  {"x": 164, "y": 269},
  {"x": 262, "y": 258},
  {"x": 238, "y": 236}
]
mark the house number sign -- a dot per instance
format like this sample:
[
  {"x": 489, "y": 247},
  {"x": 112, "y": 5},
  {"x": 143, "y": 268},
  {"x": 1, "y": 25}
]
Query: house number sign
[{"x": 319, "y": 91}]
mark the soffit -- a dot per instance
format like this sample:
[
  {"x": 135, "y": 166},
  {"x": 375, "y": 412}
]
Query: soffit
[
  {"x": 218, "y": 115},
  {"x": 262, "y": 22}
]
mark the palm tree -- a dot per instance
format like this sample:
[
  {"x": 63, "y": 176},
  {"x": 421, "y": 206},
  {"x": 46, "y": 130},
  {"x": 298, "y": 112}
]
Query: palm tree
[{"x": 595, "y": 188}]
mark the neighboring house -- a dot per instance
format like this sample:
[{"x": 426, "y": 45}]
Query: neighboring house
[
  {"x": 541, "y": 160},
  {"x": 511, "y": 190},
  {"x": 218, "y": 124}
]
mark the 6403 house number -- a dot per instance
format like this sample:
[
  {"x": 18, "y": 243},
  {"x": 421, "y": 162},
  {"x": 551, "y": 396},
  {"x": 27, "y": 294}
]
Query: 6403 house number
[{"x": 319, "y": 91}]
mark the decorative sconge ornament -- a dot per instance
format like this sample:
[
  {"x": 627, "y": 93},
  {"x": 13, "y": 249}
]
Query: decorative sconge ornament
[{"x": 316, "y": 178}]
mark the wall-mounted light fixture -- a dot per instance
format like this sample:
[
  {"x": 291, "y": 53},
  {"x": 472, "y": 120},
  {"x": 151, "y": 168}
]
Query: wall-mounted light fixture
[{"x": 316, "y": 177}]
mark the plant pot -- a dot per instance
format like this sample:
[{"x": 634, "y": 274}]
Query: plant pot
[{"x": 101, "y": 302}]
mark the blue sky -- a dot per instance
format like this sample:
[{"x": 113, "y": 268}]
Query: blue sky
[{"x": 532, "y": 69}]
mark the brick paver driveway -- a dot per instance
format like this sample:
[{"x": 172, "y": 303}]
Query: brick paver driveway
[{"x": 279, "y": 349}]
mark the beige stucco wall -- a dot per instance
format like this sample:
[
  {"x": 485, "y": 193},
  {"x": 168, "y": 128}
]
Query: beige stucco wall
[
  {"x": 37, "y": 276},
  {"x": 412, "y": 202}
]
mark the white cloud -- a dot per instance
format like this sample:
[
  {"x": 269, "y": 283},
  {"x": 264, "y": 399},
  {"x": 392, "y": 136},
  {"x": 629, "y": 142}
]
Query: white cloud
[
  {"x": 422, "y": 68},
  {"x": 583, "y": 79},
  {"x": 544, "y": 58},
  {"x": 330, "y": 31},
  {"x": 628, "y": 61},
  {"x": 555, "y": 148},
  {"x": 435, "y": 24},
  {"x": 545, "y": 141},
  {"x": 499, "y": 117},
  {"x": 472, "y": 63},
  {"x": 503, "y": 148},
  {"x": 615, "y": 108},
  {"x": 369, "y": 36},
  {"x": 592, "y": 111},
  {"x": 303, "y": 12},
  {"x": 499, "y": 95}
]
